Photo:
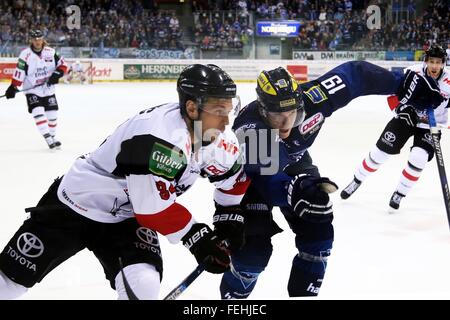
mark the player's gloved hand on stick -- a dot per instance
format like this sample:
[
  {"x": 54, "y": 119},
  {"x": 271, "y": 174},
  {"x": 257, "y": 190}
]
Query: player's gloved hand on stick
[
  {"x": 229, "y": 226},
  {"x": 204, "y": 244},
  {"x": 408, "y": 114},
  {"x": 419, "y": 91},
  {"x": 308, "y": 197},
  {"x": 55, "y": 76},
  {"x": 10, "y": 93}
]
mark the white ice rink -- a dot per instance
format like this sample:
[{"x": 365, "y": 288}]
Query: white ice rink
[{"x": 376, "y": 255}]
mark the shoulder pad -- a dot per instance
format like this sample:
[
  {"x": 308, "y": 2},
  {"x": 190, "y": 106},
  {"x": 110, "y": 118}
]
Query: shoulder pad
[
  {"x": 147, "y": 154},
  {"x": 25, "y": 53}
]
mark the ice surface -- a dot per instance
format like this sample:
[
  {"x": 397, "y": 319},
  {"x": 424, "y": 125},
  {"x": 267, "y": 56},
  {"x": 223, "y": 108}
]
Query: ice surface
[{"x": 376, "y": 255}]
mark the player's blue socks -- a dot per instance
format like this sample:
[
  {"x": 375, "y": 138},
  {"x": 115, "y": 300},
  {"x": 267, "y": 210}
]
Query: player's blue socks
[
  {"x": 239, "y": 284},
  {"x": 308, "y": 269}
]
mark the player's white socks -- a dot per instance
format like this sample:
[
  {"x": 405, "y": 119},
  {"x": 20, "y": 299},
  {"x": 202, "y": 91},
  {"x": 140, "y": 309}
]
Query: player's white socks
[
  {"x": 9, "y": 289},
  {"x": 371, "y": 163},
  {"x": 143, "y": 279},
  {"x": 52, "y": 117},
  {"x": 42, "y": 124},
  {"x": 417, "y": 161}
]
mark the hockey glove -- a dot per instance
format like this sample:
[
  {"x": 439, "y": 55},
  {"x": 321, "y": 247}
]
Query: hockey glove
[
  {"x": 308, "y": 197},
  {"x": 207, "y": 249},
  {"x": 408, "y": 114},
  {"x": 229, "y": 226},
  {"x": 54, "y": 78},
  {"x": 419, "y": 91},
  {"x": 10, "y": 93}
]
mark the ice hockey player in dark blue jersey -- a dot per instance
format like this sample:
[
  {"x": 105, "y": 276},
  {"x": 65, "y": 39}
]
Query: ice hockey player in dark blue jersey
[{"x": 283, "y": 173}]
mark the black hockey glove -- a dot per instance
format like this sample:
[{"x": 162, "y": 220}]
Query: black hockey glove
[
  {"x": 308, "y": 197},
  {"x": 229, "y": 226},
  {"x": 207, "y": 249},
  {"x": 54, "y": 78},
  {"x": 408, "y": 114},
  {"x": 419, "y": 91},
  {"x": 10, "y": 93}
]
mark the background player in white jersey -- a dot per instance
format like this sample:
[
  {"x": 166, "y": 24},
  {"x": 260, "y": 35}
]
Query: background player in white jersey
[
  {"x": 114, "y": 200},
  {"x": 38, "y": 70},
  {"x": 410, "y": 120},
  {"x": 75, "y": 71}
]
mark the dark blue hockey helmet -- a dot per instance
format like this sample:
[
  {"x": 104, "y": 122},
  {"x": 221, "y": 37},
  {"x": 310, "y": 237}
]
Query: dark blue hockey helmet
[{"x": 278, "y": 93}]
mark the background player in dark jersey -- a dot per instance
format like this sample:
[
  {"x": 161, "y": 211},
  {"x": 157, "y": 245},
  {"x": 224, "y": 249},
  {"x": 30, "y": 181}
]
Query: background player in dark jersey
[
  {"x": 410, "y": 120},
  {"x": 284, "y": 175}
]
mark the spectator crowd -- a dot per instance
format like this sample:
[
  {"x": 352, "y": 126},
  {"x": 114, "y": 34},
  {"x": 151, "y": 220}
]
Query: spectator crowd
[{"x": 227, "y": 24}]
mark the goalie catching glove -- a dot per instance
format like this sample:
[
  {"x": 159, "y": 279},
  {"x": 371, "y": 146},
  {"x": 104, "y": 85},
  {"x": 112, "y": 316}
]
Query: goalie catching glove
[{"x": 308, "y": 197}]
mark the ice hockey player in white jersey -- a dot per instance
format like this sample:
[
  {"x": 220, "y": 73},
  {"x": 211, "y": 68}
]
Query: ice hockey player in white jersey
[
  {"x": 75, "y": 71},
  {"x": 409, "y": 120},
  {"x": 116, "y": 199},
  {"x": 38, "y": 69}
]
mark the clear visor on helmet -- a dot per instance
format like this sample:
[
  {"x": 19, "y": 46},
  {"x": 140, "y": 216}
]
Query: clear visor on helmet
[
  {"x": 285, "y": 120},
  {"x": 221, "y": 107}
]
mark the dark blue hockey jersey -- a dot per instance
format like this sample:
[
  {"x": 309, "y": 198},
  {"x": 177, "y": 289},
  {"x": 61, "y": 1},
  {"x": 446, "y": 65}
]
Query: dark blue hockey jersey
[{"x": 267, "y": 156}]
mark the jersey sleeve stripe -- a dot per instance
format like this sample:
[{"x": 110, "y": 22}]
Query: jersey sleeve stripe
[
  {"x": 170, "y": 220},
  {"x": 239, "y": 188}
]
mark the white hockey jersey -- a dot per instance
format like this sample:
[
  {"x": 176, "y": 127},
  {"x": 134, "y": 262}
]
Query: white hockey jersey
[
  {"x": 142, "y": 167},
  {"x": 76, "y": 67},
  {"x": 33, "y": 69},
  {"x": 441, "y": 112}
]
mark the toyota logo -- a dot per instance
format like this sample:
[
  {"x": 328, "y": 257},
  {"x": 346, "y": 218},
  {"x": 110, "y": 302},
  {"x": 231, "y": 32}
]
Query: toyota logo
[
  {"x": 148, "y": 236},
  {"x": 389, "y": 136},
  {"x": 30, "y": 245}
]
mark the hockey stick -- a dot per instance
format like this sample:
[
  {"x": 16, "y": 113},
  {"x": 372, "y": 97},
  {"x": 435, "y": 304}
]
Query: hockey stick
[
  {"x": 185, "y": 283},
  {"x": 440, "y": 160},
  {"x": 38, "y": 85},
  {"x": 178, "y": 289},
  {"x": 190, "y": 278},
  {"x": 128, "y": 290},
  {"x": 172, "y": 294}
]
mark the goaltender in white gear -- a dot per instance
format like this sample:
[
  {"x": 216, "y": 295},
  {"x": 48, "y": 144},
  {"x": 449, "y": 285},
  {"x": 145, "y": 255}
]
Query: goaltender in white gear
[{"x": 75, "y": 71}]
